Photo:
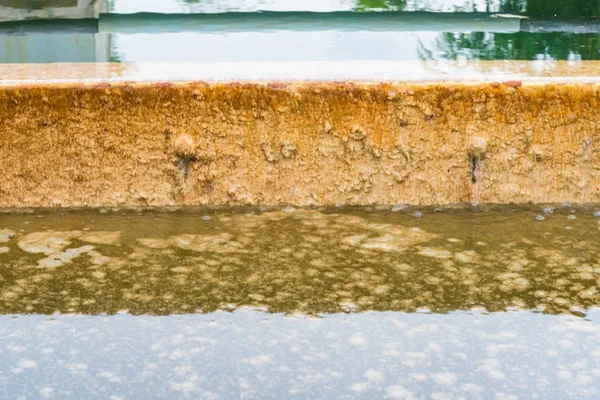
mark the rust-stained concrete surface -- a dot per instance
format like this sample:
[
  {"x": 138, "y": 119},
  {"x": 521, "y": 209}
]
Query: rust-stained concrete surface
[{"x": 309, "y": 143}]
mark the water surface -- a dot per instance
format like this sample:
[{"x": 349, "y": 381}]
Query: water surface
[
  {"x": 308, "y": 261},
  {"x": 330, "y": 45},
  {"x": 218, "y": 303}
]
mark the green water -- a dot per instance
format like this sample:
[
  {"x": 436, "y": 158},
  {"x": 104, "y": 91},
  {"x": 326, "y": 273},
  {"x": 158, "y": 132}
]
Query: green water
[{"x": 330, "y": 45}]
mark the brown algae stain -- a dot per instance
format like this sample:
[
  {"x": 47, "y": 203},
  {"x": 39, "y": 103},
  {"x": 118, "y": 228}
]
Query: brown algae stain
[{"x": 300, "y": 143}]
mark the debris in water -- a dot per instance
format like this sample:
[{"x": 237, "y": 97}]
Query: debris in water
[
  {"x": 417, "y": 214},
  {"x": 548, "y": 210},
  {"x": 6, "y": 235},
  {"x": 540, "y": 217},
  {"x": 571, "y": 216},
  {"x": 399, "y": 207}
]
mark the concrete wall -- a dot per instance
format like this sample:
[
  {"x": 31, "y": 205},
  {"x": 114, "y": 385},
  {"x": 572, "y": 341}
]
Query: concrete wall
[{"x": 312, "y": 143}]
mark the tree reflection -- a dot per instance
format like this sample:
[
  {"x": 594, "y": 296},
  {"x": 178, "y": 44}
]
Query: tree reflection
[
  {"x": 523, "y": 45},
  {"x": 371, "y": 5}
]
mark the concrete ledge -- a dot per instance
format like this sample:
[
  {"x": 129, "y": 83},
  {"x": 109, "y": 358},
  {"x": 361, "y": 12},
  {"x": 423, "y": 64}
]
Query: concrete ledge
[
  {"x": 298, "y": 143},
  {"x": 534, "y": 72}
]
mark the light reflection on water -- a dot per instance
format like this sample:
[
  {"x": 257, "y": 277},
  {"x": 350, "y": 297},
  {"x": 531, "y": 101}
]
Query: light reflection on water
[
  {"x": 249, "y": 354},
  {"x": 332, "y": 45}
]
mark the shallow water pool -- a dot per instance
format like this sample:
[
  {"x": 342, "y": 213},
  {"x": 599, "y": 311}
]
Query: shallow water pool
[{"x": 305, "y": 303}]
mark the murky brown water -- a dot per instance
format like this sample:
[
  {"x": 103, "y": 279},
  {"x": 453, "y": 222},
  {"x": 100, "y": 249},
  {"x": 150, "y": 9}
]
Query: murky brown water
[
  {"x": 335, "y": 303},
  {"x": 308, "y": 261}
]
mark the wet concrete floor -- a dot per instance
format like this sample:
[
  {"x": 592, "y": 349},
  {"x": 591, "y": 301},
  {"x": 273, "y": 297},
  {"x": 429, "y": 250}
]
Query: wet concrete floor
[{"x": 446, "y": 303}]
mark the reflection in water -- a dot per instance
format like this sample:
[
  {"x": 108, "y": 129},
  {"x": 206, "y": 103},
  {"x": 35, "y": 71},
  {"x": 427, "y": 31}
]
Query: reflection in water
[
  {"x": 53, "y": 48},
  {"x": 517, "y": 46},
  {"x": 248, "y": 354},
  {"x": 298, "y": 261},
  {"x": 330, "y": 45},
  {"x": 522, "y": 45},
  {"x": 56, "y": 48},
  {"x": 17, "y": 10}
]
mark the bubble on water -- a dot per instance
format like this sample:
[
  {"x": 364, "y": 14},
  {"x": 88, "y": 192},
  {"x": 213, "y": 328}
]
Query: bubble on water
[
  {"x": 417, "y": 214},
  {"x": 445, "y": 378},
  {"x": 6, "y": 235},
  {"x": 98, "y": 274},
  {"x": 27, "y": 364},
  {"x": 399, "y": 207},
  {"x": 540, "y": 217},
  {"x": 399, "y": 392},
  {"x": 597, "y": 214},
  {"x": 373, "y": 375},
  {"x": 76, "y": 368},
  {"x": 357, "y": 340},
  {"x": 354, "y": 240},
  {"x": 512, "y": 281},
  {"x": 97, "y": 258},
  {"x": 419, "y": 377},
  {"x": 15, "y": 348},
  {"x": 467, "y": 256},
  {"x": 472, "y": 388},
  {"x": 288, "y": 208},
  {"x": 435, "y": 252},
  {"x": 206, "y": 218},
  {"x": 59, "y": 258},
  {"x": 101, "y": 237},
  {"x": 186, "y": 387},
  {"x": 548, "y": 210},
  {"x": 589, "y": 293},
  {"x": 572, "y": 217},
  {"x": 338, "y": 205},
  {"x": 111, "y": 377},
  {"x": 491, "y": 367},
  {"x": 261, "y": 360},
  {"x": 348, "y": 307},
  {"x": 46, "y": 242},
  {"x": 359, "y": 387}
]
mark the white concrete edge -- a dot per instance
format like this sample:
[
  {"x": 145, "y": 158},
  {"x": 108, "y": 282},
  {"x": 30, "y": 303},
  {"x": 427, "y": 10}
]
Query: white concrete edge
[{"x": 528, "y": 72}]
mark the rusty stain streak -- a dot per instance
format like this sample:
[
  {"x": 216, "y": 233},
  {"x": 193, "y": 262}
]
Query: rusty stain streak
[{"x": 104, "y": 145}]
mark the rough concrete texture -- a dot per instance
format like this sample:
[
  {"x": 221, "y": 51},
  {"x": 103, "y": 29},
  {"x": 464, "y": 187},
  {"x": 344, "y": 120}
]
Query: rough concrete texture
[{"x": 309, "y": 143}]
